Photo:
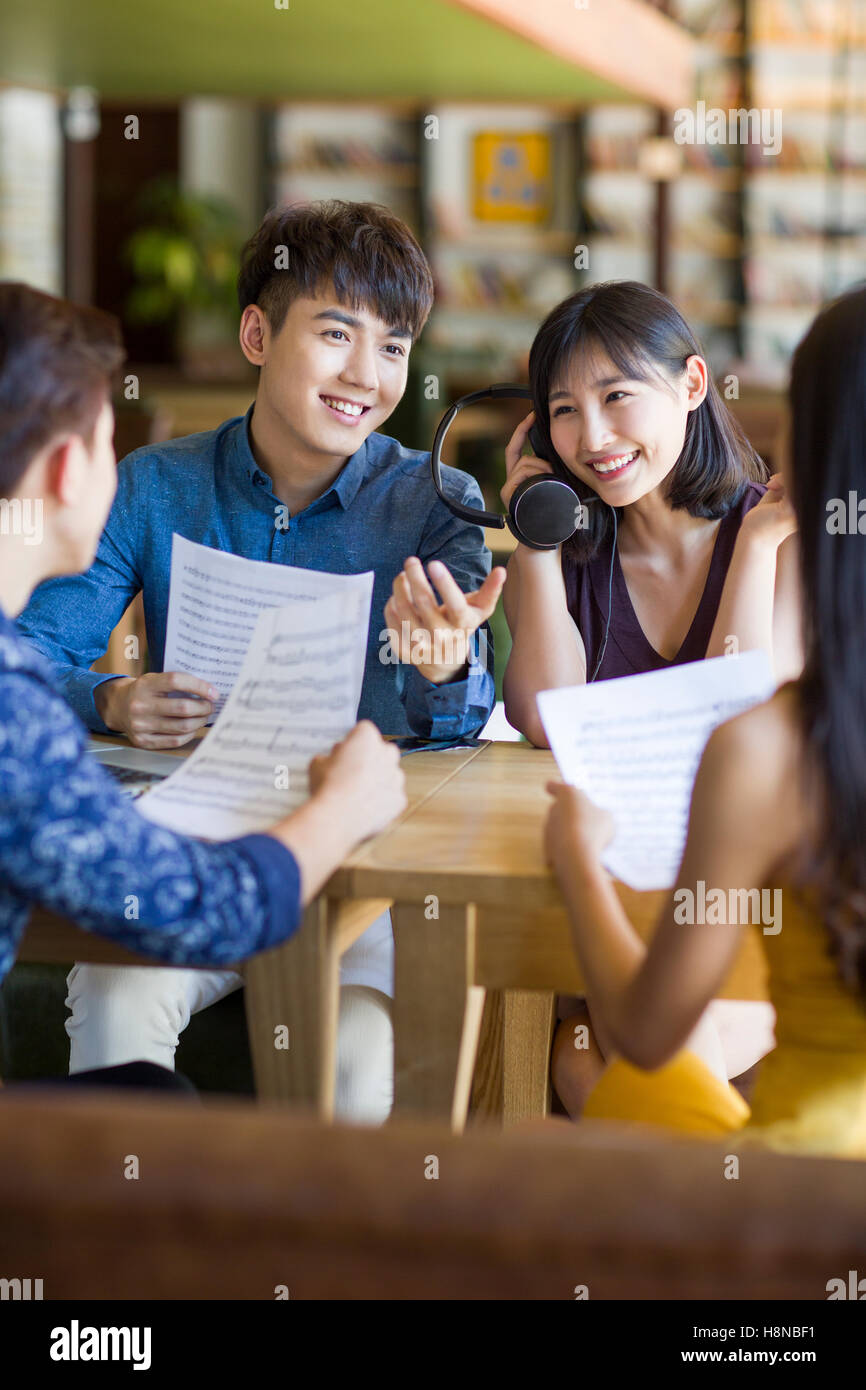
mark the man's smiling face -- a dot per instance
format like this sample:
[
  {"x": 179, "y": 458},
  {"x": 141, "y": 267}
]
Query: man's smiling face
[{"x": 332, "y": 374}]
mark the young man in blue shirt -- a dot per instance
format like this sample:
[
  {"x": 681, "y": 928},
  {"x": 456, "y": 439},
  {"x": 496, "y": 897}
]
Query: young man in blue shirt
[
  {"x": 332, "y": 298},
  {"x": 69, "y": 839}
]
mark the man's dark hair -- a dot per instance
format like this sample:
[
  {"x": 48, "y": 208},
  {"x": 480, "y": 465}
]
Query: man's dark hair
[
  {"x": 368, "y": 255},
  {"x": 56, "y": 364}
]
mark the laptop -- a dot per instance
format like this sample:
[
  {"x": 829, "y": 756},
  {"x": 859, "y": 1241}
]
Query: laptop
[{"x": 135, "y": 770}]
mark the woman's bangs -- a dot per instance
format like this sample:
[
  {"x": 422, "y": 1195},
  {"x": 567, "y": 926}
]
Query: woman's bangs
[{"x": 589, "y": 354}]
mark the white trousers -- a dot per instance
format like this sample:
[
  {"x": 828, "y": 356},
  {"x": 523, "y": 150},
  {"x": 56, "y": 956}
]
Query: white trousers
[{"x": 137, "y": 1013}]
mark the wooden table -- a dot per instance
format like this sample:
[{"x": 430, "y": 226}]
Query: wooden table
[
  {"x": 295, "y": 984},
  {"x": 475, "y": 910},
  {"x": 473, "y": 853}
]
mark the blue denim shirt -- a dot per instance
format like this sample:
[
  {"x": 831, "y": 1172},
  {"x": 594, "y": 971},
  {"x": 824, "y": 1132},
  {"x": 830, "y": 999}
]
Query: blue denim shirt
[
  {"x": 71, "y": 841},
  {"x": 208, "y": 487}
]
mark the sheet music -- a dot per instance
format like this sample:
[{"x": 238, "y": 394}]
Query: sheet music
[
  {"x": 214, "y": 602},
  {"x": 296, "y": 695},
  {"x": 634, "y": 745}
]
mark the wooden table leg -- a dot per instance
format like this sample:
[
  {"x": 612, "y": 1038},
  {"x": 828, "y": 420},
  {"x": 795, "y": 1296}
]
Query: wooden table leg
[
  {"x": 485, "y": 1106},
  {"x": 528, "y": 1029},
  {"x": 512, "y": 1072},
  {"x": 295, "y": 987},
  {"x": 437, "y": 1011}
]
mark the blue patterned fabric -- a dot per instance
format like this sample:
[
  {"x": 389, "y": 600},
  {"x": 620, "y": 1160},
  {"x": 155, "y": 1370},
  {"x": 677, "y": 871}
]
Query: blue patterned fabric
[
  {"x": 381, "y": 508},
  {"x": 71, "y": 841}
]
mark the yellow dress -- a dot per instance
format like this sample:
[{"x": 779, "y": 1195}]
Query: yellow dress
[{"x": 810, "y": 1095}]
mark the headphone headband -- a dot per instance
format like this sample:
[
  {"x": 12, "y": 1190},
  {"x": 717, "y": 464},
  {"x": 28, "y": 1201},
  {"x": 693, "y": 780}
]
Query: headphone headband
[
  {"x": 500, "y": 392},
  {"x": 528, "y": 487}
]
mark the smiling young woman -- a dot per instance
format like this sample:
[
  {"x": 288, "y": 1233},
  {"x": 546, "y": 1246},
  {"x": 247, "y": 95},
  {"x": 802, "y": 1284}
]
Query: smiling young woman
[
  {"x": 779, "y": 799},
  {"x": 682, "y": 555}
]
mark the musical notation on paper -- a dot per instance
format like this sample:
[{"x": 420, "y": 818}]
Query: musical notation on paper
[
  {"x": 252, "y": 768},
  {"x": 216, "y": 598},
  {"x": 634, "y": 745}
]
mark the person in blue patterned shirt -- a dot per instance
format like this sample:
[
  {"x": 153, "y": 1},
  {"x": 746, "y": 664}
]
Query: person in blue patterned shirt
[
  {"x": 69, "y": 839},
  {"x": 332, "y": 297}
]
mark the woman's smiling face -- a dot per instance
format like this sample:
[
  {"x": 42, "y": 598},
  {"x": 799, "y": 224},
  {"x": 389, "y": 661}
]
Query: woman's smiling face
[{"x": 620, "y": 435}]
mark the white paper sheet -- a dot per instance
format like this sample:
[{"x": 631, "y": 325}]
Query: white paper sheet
[
  {"x": 215, "y": 599},
  {"x": 634, "y": 745},
  {"x": 296, "y": 695}
]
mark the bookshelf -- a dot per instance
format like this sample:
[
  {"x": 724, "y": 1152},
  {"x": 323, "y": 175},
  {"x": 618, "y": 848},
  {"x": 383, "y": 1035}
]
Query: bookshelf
[
  {"x": 618, "y": 201},
  {"x": 500, "y": 194},
  {"x": 748, "y": 244},
  {"x": 805, "y": 208},
  {"x": 495, "y": 279},
  {"x": 499, "y": 267},
  {"x": 706, "y": 216},
  {"x": 368, "y": 153},
  {"x": 676, "y": 224}
]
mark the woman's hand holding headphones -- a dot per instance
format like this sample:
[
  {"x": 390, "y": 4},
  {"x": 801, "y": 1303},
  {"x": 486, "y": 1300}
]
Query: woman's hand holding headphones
[{"x": 517, "y": 466}]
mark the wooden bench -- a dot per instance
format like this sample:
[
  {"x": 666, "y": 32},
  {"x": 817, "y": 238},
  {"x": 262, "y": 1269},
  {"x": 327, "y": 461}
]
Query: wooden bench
[{"x": 235, "y": 1200}]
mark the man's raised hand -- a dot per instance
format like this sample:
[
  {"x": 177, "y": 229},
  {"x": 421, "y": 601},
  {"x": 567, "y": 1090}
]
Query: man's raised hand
[{"x": 436, "y": 636}]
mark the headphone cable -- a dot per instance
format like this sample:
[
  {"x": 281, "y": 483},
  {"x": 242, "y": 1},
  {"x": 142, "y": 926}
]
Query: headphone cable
[{"x": 584, "y": 501}]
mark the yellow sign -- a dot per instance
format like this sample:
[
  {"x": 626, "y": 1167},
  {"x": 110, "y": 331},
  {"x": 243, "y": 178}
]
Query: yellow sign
[{"x": 511, "y": 177}]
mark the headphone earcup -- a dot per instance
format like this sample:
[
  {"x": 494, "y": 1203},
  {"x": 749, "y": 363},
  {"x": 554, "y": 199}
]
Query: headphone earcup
[{"x": 543, "y": 512}]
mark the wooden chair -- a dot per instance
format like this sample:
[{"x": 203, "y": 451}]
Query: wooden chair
[{"x": 238, "y": 1201}]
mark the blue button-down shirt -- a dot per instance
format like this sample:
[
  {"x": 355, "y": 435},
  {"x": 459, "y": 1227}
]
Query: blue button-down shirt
[
  {"x": 71, "y": 841},
  {"x": 208, "y": 487}
]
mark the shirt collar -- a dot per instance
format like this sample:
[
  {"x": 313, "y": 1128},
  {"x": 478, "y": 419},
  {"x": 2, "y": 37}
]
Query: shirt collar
[
  {"x": 243, "y": 449},
  {"x": 344, "y": 487}
]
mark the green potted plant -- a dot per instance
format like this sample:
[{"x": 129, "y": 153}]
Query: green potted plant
[{"x": 183, "y": 257}]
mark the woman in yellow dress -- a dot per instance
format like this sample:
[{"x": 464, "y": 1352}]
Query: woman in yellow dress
[{"x": 779, "y": 803}]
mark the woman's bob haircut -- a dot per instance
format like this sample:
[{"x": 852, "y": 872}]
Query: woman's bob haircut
[{"x": 647, "y": 339}]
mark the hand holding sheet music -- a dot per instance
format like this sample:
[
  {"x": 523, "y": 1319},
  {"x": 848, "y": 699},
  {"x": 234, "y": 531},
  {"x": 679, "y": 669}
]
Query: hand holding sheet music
[
  {"x": 296, "y": 695},
  {"x": 634, "y": 745},
  {"x": 216, "y": 598}
]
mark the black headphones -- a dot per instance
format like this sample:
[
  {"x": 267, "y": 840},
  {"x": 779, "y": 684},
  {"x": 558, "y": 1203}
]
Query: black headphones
[{"x": 543, "y": 511}]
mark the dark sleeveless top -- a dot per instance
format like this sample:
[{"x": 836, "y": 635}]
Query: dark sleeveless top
[{"x": 628, "y": 652}]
